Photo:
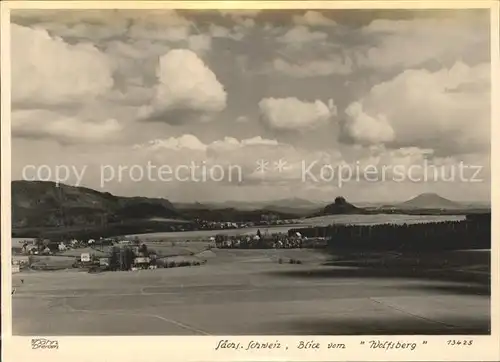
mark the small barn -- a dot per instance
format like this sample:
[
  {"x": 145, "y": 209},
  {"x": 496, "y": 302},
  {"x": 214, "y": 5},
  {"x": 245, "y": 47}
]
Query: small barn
[
  {"x": 142, "y": 262},
  {"x": 20, "y": 260}
]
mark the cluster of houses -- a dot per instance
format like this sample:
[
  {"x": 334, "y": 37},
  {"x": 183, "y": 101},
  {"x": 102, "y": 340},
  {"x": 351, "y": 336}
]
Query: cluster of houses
[
  {"x": 267, "y": 241},
  {"x": 124, "y": 255},
  {"x": 19, "y": 262},
  {"x": 48, "y": 247},
  {"x": 222, "y": 225}
]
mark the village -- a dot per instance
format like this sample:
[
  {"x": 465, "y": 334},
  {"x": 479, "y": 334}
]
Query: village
[{"x": 114, "y": 254}]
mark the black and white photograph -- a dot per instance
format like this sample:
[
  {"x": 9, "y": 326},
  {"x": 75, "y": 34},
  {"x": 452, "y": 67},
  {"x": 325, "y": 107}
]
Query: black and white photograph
[{"x": 258, "y": 172}]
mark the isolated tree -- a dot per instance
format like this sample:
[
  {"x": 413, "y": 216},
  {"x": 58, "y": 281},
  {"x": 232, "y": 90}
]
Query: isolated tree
[
  {"x": 143, "y": 249},
  {"x": 39, "y": 243}
]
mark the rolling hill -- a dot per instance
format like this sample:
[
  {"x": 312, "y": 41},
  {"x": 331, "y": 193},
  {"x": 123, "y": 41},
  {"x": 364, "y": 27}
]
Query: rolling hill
[
  {"x": 429, "y": 201},
  {"x": 279, "y": 204},
  {"x": 44, "y": 204},
  {"x": 42, "y": 207}
]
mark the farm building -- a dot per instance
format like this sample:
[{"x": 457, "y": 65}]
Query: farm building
[
  {"x": 85, "y": 257},
  {"x": 20, "y": 260},
  {"x": 104, "y": 262},
  {"x": 142, "y": 262}
]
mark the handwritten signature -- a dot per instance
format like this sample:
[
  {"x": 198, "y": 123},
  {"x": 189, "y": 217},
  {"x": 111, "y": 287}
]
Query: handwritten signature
[{"x": 43, "y": 343}]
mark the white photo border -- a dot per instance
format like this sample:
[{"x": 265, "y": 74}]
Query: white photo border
[{"x": 195, "y": 348}]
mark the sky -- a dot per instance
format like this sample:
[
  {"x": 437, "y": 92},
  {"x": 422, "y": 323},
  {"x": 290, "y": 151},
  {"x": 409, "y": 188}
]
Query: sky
[{"x": 254, "y": 105}]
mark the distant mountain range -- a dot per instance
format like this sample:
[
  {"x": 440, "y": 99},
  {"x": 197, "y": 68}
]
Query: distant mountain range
[
  {"x": 38, "y": 205},
  {"x": 282, "y": 204},
  {"x": 41, "y": 205}
]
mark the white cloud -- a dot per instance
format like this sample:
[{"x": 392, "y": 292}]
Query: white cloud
[
  {"x": 244, "y": 153},
  {"x": 39, "y": 124},
  {"x": 365, "y": 128},
  {"x": 447, "y": 110},
  {"x": 243, "y": 18},
  {"x": 186, "y": 88},
  {"x": 95, "y": 32},
  {"x": 191, "y": 142},
  {"x": 217, "y": 31},
  {"x": 126, "y": 50},
  {"x": 171, "y": 33},
  {"x": 313, "y": 68},
  {"x": 165, "y": 25},
  {"x": 184, "y": 142},
  {"x": 294, "y": 114},
  {"x": 200, "y": 43},
  {"x": 301, "y": 34},
  {"x": 313, "y": 18},
  {"x": 408, "y": 43},
  {"x": 242, "y": 119},
  {"x": 258, "y": 140},
  {"x": 48, "y": 71}
]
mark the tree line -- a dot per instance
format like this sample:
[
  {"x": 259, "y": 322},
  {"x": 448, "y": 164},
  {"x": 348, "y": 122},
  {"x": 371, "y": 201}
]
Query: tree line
[{"x": 450, "y": 235}]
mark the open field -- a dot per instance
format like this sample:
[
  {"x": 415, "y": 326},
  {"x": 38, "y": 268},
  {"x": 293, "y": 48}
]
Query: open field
[
  {"x": 249, "y": 292},
  {"x": 378, "y": 219},
  {"x": 310, "y": 222},
  {"x": 317, "y": 221}
]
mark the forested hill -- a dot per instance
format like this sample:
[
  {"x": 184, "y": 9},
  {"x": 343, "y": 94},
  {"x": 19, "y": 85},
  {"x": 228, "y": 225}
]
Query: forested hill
[
  {"x": 42, "y": 204},
  {"x": 45, "y": 204}
]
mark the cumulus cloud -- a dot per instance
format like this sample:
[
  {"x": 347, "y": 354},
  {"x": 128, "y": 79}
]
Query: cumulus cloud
[
  {"x": 217, "y": 31},
  {"x": 228, "y": 151},
  {"x": 200, "y": 43},
  {"x": 231, "y": 143},
  {"x": 165, "y": 25},
  {"x": 89, "y": 24},
  {"x": 301, "y": 34},
  {"x": 187, "y": 89},
  {"x": 245, "y": 154},
  {"x": 191, "y": 142},
  {"x": 294, "y": 114},
  {"x": 39, "y": 124},
  {"x": 409, "y": 43},
  {"x": 314, "y": 68},
  {"x": 447, "y": 110},
  {"x": 48, "y": 71},
  {"x": 313, "y": 18},
  {"x": 367, "y": 129},
  {"x": 184, "y": 142},
  {"x": 245, "y": 18}
]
